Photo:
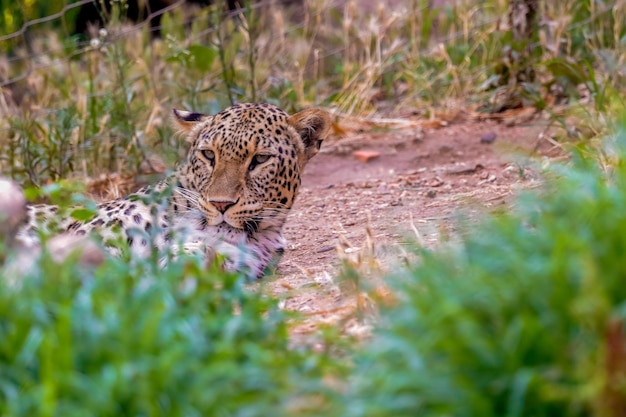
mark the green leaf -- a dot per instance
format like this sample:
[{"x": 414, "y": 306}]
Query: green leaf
[
  {"x": 203, "y": 56},
  {"x": 562, "y": 68},
  {"x": 32, "y": 193},
  {"x": 82, "y": 214}
]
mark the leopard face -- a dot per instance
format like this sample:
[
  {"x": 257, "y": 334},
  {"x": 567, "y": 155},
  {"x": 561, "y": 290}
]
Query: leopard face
[
  {"x": 231, "y": 194},
  {"x": 244, "y": 164}
]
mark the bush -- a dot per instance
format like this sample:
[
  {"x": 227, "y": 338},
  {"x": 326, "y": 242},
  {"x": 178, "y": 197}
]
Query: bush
[
  {"x": 135, "y": 339},
  {"x": 524, "y": 318}
]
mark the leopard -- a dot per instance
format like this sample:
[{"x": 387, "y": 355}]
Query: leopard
[{"x": 230, "y": 195}]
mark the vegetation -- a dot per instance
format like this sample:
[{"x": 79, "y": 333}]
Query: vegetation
[
  {"x": 523, "y": 317},
  {"x": 104, "y": 104},
  {"x": 136, "y": 339}
]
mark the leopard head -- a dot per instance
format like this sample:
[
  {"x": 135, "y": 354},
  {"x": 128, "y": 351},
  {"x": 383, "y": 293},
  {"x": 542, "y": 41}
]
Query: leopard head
[{"x": 244, "y": 164}]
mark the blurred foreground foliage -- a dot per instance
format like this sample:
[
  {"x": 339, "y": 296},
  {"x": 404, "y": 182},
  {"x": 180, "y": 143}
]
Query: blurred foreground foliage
[
  {"x": 135, "y": 339},
  {"x": 525, "y": 317}
]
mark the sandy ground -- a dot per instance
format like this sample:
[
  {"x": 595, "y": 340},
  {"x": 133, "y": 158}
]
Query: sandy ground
[{"x": 422, "y": 180}]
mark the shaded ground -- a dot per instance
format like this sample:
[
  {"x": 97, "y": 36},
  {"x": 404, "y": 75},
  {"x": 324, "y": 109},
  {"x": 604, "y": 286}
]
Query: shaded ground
[{"x": 415, "y": 189}]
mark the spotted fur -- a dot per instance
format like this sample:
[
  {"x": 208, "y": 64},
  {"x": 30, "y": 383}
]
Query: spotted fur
[{"x": 231, "y": 194}]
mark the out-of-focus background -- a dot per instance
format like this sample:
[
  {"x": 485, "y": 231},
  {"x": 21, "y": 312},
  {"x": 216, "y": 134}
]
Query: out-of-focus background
[{"x": 100, "y": 78}]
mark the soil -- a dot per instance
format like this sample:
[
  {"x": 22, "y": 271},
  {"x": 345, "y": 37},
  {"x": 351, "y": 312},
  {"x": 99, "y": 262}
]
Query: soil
[
  {"x": 411, "y": 185},
  {"x": 373, "y": 192}
]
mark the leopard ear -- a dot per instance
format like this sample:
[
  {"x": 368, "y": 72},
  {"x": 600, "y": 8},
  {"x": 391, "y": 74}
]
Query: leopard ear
[
  {"x": 186, "y": 120},
  {"x": 312, "y": 125}
]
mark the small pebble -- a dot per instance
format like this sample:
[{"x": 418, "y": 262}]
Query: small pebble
[
  {"x": 326, "y": 248},
  {"x": 488, "y": 137}
]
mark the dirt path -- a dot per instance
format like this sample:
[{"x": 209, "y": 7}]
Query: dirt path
[{"x": 420, "y": 181}]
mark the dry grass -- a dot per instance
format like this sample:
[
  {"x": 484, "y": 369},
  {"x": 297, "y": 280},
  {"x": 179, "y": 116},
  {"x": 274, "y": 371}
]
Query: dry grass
[{"x": 102, "y": 107}]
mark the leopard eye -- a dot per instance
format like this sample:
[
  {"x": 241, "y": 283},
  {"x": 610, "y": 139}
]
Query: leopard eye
[
  {"x": 208, "y": 154},
  {"x": 258, "y": 159}
]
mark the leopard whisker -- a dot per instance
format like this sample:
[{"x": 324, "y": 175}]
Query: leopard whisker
[
  {"x": 283, "y": 209},
  {"x": 190, "y": 195},
  {"x": 192, "y": 200},
  {"x": 275, "y": 210},
  {"x": 277, "y": 205}
]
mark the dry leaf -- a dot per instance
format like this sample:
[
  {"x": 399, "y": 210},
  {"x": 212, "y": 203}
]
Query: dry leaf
[{"x": 365, "y": 155}]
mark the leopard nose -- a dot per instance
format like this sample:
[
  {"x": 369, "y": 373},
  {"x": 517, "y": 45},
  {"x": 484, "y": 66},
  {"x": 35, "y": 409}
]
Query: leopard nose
[{"x": 222, "y": 206}]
